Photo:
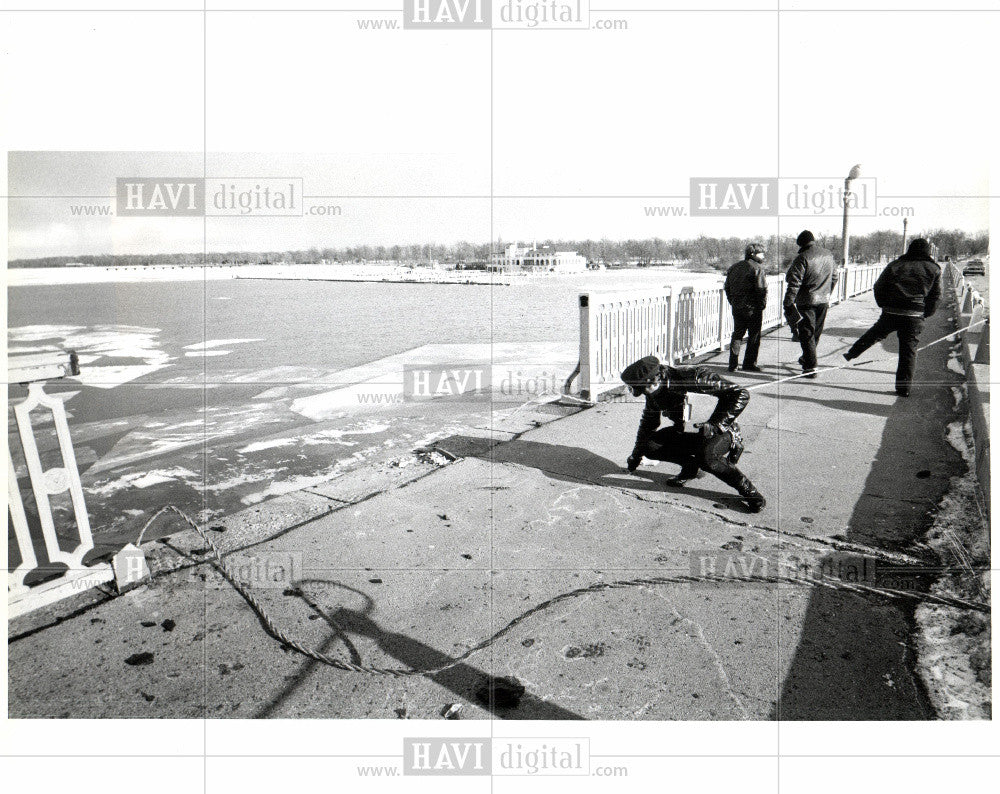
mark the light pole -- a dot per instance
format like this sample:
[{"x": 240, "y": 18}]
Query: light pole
[
  {"x": 845, "y": 243},
  {"x": 905, "y": 223}
]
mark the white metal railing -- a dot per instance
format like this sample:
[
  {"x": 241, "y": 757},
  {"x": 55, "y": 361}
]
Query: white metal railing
[
  {"x": 675, "y": 322},
  {"x": 966, "y": 295},
  {"x": 971, "y": 310},
  {"x": 46, "y": 483}
]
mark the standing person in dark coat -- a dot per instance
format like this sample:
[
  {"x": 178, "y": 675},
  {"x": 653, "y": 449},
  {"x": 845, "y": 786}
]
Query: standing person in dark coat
[
  {"x": 811, "y": 278},
  {"x": 717, "y": 445},
  {"x": 908, "y": 291},
  {"x": 746, "y": 289}
]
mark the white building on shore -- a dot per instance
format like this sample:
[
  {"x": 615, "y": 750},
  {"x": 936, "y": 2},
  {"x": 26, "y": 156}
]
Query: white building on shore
[{"x": 538, "y": 260}]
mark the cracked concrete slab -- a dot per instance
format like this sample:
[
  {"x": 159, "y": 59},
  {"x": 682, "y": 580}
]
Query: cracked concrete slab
[
  {"x": 415, "y": 570},
  {"x": 676, "y": 651}
]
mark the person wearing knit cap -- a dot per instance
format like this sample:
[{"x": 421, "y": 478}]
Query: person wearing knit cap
[
  {"x": 746, "y": 290},
  {"x": 908, "y": 291},
  {"x": 715, "y": 447},
  {"x": 810, "y": 279}
]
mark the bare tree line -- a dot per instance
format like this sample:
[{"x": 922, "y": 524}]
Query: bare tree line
[{"x": 699, "y": 252}]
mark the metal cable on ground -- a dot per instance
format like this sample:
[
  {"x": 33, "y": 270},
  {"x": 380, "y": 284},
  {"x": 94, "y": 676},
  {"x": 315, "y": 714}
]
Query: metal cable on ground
[
  {"x": 397, "y": 672},
  {"x": 825, "y": 370},
  {"x": 895, "y": 557}
]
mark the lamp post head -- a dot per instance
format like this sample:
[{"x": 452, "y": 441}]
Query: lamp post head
[{"x": 855, "y": 173}]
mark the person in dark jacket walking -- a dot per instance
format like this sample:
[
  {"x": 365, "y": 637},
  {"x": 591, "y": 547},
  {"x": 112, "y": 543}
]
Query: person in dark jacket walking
[
  {"x": 717, "y": 445},
  {"x": 908, "y": 291},
  {"x": 811, "y": 277},
  {"x": 746, "y": 289}
]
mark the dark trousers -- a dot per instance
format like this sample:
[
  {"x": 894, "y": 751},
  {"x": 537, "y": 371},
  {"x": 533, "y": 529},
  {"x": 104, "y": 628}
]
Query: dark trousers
[
  {"x": 907, "y": 331},
  {"x": 810, "y": 330},
  {"x": 692, "y": 451},
  {"x": 746, "y": 320}
]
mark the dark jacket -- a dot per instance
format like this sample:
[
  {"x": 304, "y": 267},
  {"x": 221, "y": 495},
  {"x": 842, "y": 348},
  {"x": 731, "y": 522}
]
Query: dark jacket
[
  {"x": 746, "y": 285},
  {"x": 669, "y": 400},
  {"x": 910, "y": 285},
  {"x": 812, "y": 277}
]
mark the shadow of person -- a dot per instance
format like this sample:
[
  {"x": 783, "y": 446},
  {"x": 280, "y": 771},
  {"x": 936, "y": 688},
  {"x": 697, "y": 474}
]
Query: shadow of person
[
  {"x": 847, "y": 331},
  {"x": 848, "y": 662},
  {"x": 849, "y": 655},
  {"x": 764, "y": 374},
  {"x": 848, "y": 406},
  {"x": 465, "y": 680},
  {"x": 338, "y": 636},
  {"x": 829, "y": 384},
  {"x": 576, "y": 464}
]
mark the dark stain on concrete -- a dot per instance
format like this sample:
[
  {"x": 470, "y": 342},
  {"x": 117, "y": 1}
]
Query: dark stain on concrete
[{"x": 139, "y": 659}]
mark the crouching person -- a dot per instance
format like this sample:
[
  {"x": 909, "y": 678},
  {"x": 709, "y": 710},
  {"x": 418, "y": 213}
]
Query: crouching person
[{"x": 715, "y": 447}]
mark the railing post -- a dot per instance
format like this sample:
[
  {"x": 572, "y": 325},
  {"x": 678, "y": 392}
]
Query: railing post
[
  {"x": 971, "y": 310},
  {"x": 29, "y": 561},
  {"x": 983, "y": 348},
  {"x": 55, "y": 480},
  {"x": 34, "y": 371},
  {"x": 586, "y": 366},
  {"x": 974, "y": 317},
  {"x": 670, "y": 325},
  {"x": 722, "y": 319}
]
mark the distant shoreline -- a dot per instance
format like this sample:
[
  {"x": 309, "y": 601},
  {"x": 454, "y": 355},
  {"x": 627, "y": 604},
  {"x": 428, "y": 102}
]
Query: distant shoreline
[
  {"x": 55, "y": 276},
  {"x": 387, "y": 274}
]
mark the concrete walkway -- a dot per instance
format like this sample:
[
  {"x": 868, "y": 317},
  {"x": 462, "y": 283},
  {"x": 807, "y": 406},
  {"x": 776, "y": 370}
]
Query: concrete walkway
[{"x": 411, "y": 567}]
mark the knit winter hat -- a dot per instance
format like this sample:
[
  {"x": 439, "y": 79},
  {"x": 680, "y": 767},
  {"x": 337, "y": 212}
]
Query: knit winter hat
[
  {"x": 642, "y": 372},
  {"x": 919, "y": 249}
]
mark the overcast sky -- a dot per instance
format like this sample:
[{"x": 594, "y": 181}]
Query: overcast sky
[
  {"x": 44, "y": 187},
  {"x": 572, "y": 114}
]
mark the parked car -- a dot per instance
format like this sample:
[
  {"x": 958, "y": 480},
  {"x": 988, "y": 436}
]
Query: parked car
[{"x": 974, "y": 267}]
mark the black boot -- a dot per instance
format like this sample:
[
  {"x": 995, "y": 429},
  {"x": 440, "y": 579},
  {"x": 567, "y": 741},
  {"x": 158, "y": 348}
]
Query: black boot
[{"x": 754, "y": 499}]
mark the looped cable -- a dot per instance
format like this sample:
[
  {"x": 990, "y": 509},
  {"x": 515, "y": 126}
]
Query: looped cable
[{"x": 398, "y": 672}]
